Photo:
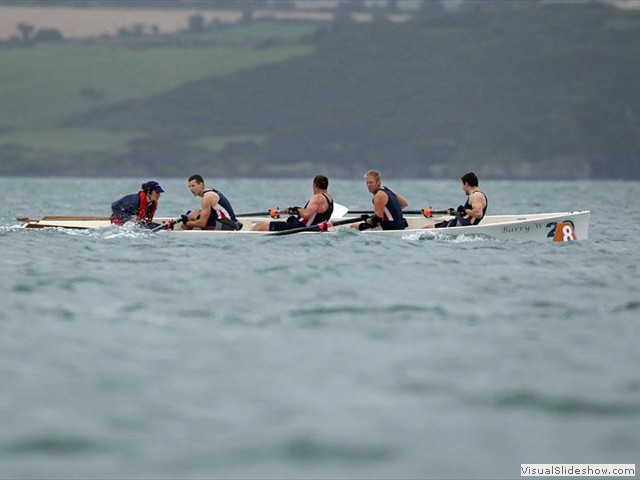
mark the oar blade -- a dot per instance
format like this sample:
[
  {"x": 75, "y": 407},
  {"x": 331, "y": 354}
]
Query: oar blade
[{"x": 339, "y": 211}]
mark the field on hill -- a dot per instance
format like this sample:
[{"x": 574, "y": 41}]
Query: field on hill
[
  {"x": 93, "y": 22},
  {"x": 42, "y": 86}
]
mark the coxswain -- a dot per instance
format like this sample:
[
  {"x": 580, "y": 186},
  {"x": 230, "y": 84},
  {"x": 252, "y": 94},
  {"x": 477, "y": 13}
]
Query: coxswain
[{"x": 138, "y": 207}]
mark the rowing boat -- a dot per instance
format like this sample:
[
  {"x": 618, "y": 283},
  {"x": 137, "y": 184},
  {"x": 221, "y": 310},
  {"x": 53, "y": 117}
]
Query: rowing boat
[{"x": 559, "y": 227}]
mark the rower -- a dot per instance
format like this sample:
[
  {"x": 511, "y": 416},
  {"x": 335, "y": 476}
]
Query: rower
[
  {"x": 216, "y": 212},
  {"x": 318, "y": 209},
  {"x": 387, "y": 205},
  {"x": 474, "y": 209}
]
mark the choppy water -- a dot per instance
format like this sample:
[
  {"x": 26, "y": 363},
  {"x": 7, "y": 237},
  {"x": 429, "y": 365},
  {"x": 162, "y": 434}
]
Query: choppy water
[{"x": 128, "y": 355}]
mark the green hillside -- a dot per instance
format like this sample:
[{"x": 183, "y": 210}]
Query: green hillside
[
  {"x": 42, "y": 86},
  {"x": 534, "y": 90}
]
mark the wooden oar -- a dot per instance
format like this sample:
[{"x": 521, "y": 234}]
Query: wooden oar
[
  {"x": 35, "y": 224},
  {"x": 71, "y": 218},
  {"x": 427, "y": 212},
  {"x": 339, "y": 211},
  {"x": 60, "y": 219},
  {"x": 320, "y": 227}
]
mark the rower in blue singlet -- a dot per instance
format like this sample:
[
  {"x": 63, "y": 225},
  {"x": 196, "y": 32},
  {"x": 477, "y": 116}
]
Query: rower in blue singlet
[
  {"x": 222, "y": 212},
  {"x": 387, "y": 205},
  {"x": 216, "y": 212}
]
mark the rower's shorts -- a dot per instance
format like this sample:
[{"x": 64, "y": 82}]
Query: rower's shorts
[
  {"x": 458, "y": 221},
  {"x": 288, "y": 224},
  {"x": 228, "y": 224},
  {"x": 224, "y": 224}
]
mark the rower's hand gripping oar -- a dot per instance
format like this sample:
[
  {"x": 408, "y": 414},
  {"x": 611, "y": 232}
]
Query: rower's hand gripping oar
[
  {"x": 321, "y": 227},
  {"x": 168, "y": 225}
]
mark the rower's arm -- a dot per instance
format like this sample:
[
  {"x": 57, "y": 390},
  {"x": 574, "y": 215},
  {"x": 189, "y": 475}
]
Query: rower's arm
[
  {"x": 208, "y": 202},
  {"x": 380, "y": 199},
  {"x": 477, "y": 205},
  {"x": 312, "y": 208}
]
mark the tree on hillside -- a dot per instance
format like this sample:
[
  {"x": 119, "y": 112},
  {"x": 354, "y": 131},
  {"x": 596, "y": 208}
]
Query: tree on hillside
[
  {"x": 137, "y": 30},
  {"x": 25, "y": 30},
  {"x": 48, "y": 35},
  {"x": 196, "y": 23},
  {"x": 247, "y": 16}
]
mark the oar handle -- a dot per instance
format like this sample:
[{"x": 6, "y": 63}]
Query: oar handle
[
  {"x": 429, "y": 212},
  {"x": 273, "y": 213}
]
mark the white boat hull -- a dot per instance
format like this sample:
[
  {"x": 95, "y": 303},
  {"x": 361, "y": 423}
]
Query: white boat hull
[{"x": 561, "y": 226}]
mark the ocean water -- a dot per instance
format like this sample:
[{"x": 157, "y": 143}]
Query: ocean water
[{"x": 130, "y": 355}]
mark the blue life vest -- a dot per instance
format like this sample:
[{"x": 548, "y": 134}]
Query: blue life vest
[{"x": 134, "y": 205}]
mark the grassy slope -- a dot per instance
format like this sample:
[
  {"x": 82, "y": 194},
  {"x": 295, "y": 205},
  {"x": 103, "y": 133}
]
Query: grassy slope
[{"x": 44, "y": 85}]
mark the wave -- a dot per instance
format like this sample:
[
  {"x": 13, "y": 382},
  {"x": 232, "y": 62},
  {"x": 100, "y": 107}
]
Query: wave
[
  {"x": 50, "y": 444},
  {"x": 6, "y": 229},
  {"x": 566, "y": 405},
  {"x": 392, "y": 309},
  {"x": 630, "y": 306},
  {"x": 311, "y": 448}
]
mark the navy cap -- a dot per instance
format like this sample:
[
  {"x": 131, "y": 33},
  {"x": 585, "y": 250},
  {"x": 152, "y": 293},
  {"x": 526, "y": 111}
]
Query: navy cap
[{"x": 153, "y": 185}]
